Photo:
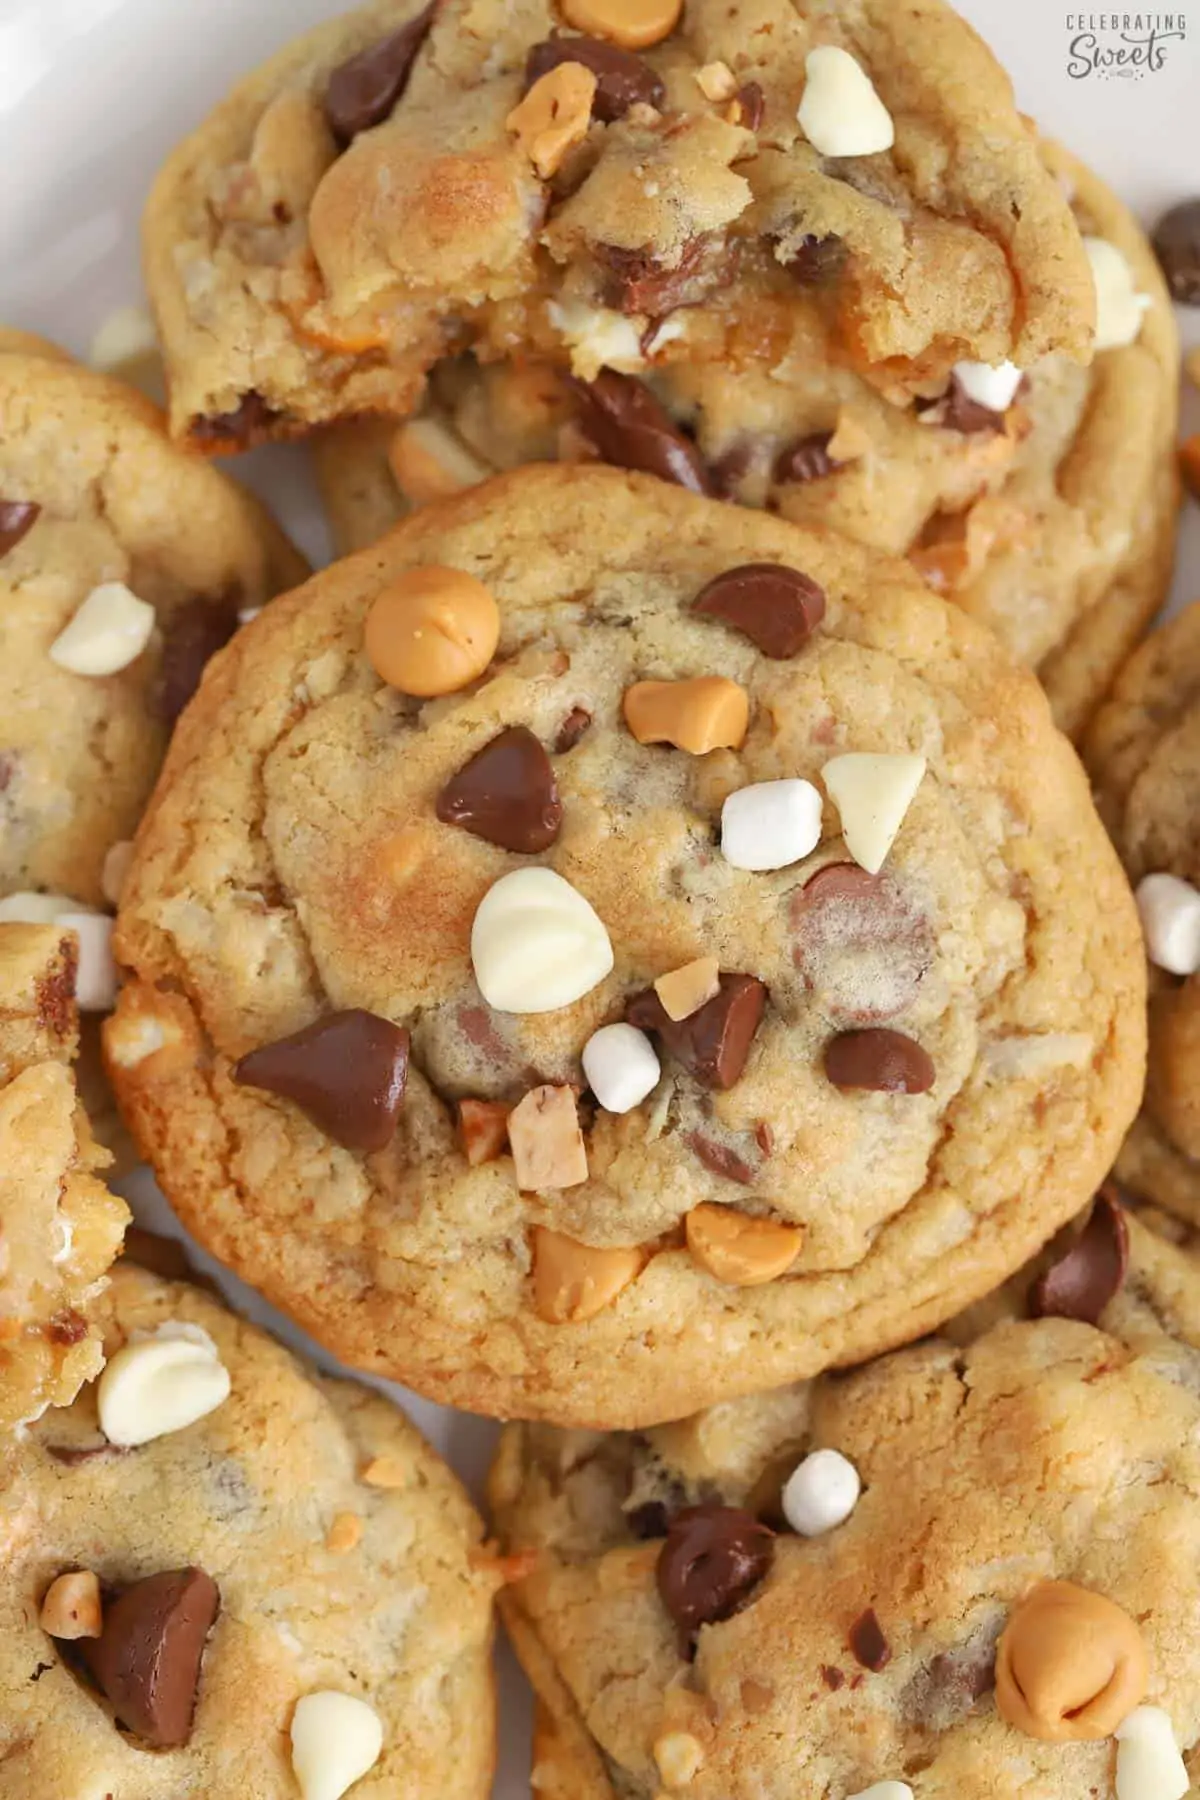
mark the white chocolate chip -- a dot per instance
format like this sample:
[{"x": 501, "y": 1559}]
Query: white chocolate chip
[
  {"x": 156, "y": 1385},
  {"x": 125, "y": 337},
  {"x": 1149, "y": 1766},
  {"x": 1170, "y": 914},
  {"x": 993, "y": 386},
  {"x": 596, "y": 337},
  {"x": 96, "y": 977},
  {"x": 1119, "y": 306},
  {"x": 131, "y": 1040},
  {"x": 35, "y": 909},
  {"x": 621, "y": 1067},
  {"x": 1030, "y": 1055},
  {"x": 430, "y": 463},
  {"x": 71, "y": 1608},
  {"x": 679, "y": 1757},
  {"x": 841, "y": 114},
  {"x": 117, "y": 859},
  {"x": 537, "y": 944},
  {"x": 108, "y": 632},
  {"x": 885, "y": 1790},
  {"x": 770, "y": 824},
  {"x": 246, "y": 613},
  {"x": 821, "y": 1492},
  {"x": 335, "y": 1740},
  {"x": 872, "y": 795}
]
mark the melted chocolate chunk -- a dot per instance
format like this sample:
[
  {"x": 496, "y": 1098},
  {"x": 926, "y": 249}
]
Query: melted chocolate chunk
[
  {"x": 639, "y": 283},
  {"x": 714, "y": 1042},
  {"x": 712, "y": 1561},
  {"x": 749, "y": 106},
  {"x": 1083, "y": 1281},
  {"x": 956, "y": 411},
  {"x": 363, "y": 91},
  {"x": 777, "y": 608},
  {"x": 632, "y": 430},
  {"x": 147, "y": 1660},
  {"x": 68, "y": 1327},
  {"x": 1177, "y": 247},
  {"x": 571, "y": 730},
  {"x": 879, "y": 1061},
  {"x": 347, "y": 1073},
  {"x": 818, "y": 261},
  {"x": 868, "y": 1643},
  {"x": 250, "y": 420},
  {"x": 622, "y": 79},
  {"x": 721, "y": 1159},
  {"x": 807, "y": 459},
  {"x": 506, "y": 794},
  {"x": 16, "y": 518}
]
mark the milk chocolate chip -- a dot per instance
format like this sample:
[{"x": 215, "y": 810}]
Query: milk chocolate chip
[
  {"x": 868, "y": 1643},
  {"x": 713, "y": 1043},
  {"x": 879, "y": 1060},
  {"x": 807, "y": 459},
  {"x": 956, "y": 411},
  {"x": 1081, "y": 1283},
  {"x": 506, "y": 794},
  {"x": 622, "y": 79},
  {"x": 777, "y": 608},
  {"x": 194, "y": 633},
  {"x": 631, "y": 430},
  {"x": 250, "y": 420},
  {"x": 1177, "y": 247},
  {"x": 363, "y": 91},
  {"x": 146, "y": 1662},
  {"x": 861, "y": 945},
  {"x": 639, "y": 283},
  {"x": 713, "y": 1559},
  {"x": 818, "y": 261},
  {"x": 16, "y": 518},
  {"x": 572, "y": 729},
  {"x": 748, "y": 107},
  {"x": 347, "y": 1072}
]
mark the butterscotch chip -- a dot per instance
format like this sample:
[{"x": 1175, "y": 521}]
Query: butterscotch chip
[
  {"x": 1069, "y": 1665},
  {"x": 708, "y": 712},
  {"x": 430, "y": 462},
  {"x": 633, "y": 24},
  {"x": 387, "y": 1472},
  {"x": 1189, "y": 464},
  {"x": 71, "y": 1607},
  {"x": 345, "y": 1531},
  {"x": 432, "y": 631},
  {"x": 573, "y": 1282},
  {"x": 739, "y": 1248},
  {"x": 554, "y": 115}
]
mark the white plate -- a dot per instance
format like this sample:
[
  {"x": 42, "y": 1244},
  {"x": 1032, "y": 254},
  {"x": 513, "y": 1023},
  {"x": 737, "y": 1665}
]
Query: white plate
[{"x": 93, "y": 92}]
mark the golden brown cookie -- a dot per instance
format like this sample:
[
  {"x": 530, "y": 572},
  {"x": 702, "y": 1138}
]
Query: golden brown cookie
[
  {"x": 94, "y": 500},
  {"x": 1053, "y": 520},
  {"x": 960, "y": 1569},
  {"x": 60, "y": 1228},
  {"x": 1144, "y": 755},
  {"x": 838, "y": 1102},
  {"x": 407, "y": 181},
  {"x": 223, "y": 1574}
]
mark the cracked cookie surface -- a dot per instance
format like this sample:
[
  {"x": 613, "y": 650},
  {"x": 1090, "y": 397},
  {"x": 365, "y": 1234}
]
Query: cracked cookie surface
[
  {"x": 296, "y": 864},
  {"x": 106, "y": 498},
  {"x": 306, "y": 265},
  {"x": 60, "y": 1228},
  {"x": 1011, "y": 1452},
  {"x": 1053, "y": 522},
  {"x": 345, "y": 1554},
  {"x": 1143, "y": 756}
]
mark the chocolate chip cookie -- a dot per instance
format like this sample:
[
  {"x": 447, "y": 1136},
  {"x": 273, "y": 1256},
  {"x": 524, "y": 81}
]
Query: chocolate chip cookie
[
  {"x": 225, "y": 1575},
  {"x": 60, "y": 1228},
  {"x": 962, "y": 1569},
  {"x": 123, "y": 564},
  {"x": 1143, "y": 755},
  {"x": 1049, "y": 513},
  {"x": 602, "y": 949},
  {"x": 411, "y": 180}
]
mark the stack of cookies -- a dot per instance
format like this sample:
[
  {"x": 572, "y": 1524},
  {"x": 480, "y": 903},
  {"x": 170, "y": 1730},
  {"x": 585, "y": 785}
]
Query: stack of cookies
[{"x": 630, "y": 949}]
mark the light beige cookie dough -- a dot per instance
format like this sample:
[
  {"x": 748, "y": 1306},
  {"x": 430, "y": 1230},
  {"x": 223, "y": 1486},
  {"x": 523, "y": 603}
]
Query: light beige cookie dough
[
  {"x": 1052, "y": 520},
  {"x": 1144, "y": 755},
  {"x": 345, "y": 1558},
  {"x": 60, "y": 1228},
  {"x": 391, "y": 188},
  {"x": 902, "y": 1084},
  {"x": 907, "y": 1646},
  {"x": 94, "y": 500}
]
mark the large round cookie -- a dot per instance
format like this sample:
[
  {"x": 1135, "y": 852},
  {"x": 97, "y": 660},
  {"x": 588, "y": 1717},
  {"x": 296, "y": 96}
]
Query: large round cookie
[
  {"x": 294, "y": 864},
  {"x": 1053, "y": 521},
  {"x": 378, "y": 194},
  {"x": 92, "y": 493},
  {"x": 1027, "y": 1451},
  {"x": 60, "y": 1228},
  {"x": 1144, "y": 755},
  {"x": 345, "y": 1556}
]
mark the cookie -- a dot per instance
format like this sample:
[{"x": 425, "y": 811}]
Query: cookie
[
  {"x": 407, "y": 181},
  {"x": 225, "y": 1575},
  {"x": 963, "y": 1568},
  {"x": 1142, "y": 752},
  {"x": 1051, "y": 519},
  {"x": 60, "y": 1228},
  {"x": 868, "y": 1052},
  {"x": 101, "y": 519}
]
